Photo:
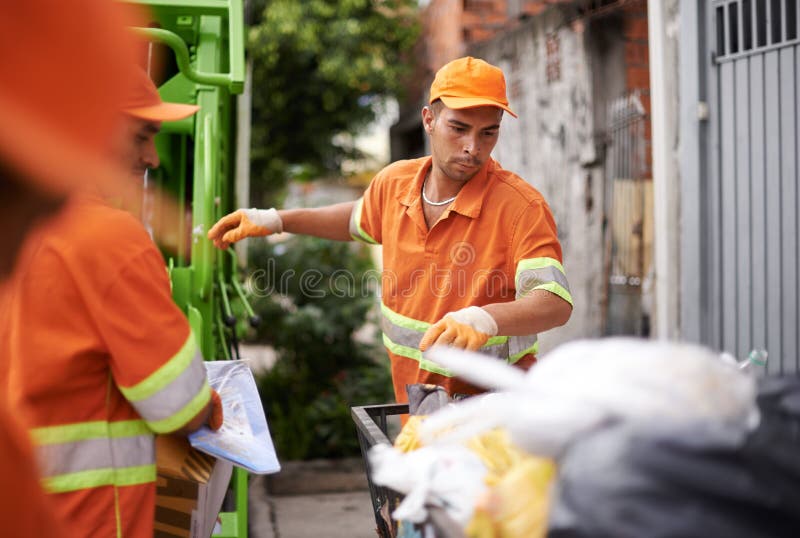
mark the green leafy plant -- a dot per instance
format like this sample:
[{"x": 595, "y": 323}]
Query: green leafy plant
[
  {"x": 320, "y": 68},
  {"x": 314, "y": 295}
]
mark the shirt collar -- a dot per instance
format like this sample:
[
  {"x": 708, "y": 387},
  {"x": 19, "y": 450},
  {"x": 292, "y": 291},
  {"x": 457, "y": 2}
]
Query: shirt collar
[
  {"x": 412, "y": 195},
  {"x": 470, "y": 198}
]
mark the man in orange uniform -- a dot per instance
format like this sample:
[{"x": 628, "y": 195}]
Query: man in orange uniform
[
  {"x": 100, "y": 356},
  {"x": 470, "y": 252},
  {"x": 48, "y": 149}
]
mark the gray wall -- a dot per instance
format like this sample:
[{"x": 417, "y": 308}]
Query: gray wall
[{"x": 553, "y": 144}]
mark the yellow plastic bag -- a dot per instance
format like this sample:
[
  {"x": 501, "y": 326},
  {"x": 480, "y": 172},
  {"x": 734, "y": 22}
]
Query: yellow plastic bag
[
  {"x": 408, "y": 438},
  {"x": 519, "y": 499}
]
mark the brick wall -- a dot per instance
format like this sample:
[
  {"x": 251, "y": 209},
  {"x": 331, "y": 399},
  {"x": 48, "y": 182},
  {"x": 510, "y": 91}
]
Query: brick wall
[
  {"x": 637, "y": 60},
  {"x": 483, "y": 19},
  {"x": 636, "y": 48},
  {"x": 443, "y": 36}
]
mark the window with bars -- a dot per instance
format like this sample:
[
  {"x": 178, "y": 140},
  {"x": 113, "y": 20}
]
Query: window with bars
[{"x": 747, "y": 26}]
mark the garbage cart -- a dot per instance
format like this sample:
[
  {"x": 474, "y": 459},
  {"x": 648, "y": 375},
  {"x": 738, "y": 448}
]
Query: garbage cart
[{"x": 372, "y": 427}]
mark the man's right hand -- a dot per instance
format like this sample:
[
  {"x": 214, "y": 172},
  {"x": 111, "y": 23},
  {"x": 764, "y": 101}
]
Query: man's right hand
[
  {"x": 216, "y": 417},
  {"x": 244, "y": 223}
]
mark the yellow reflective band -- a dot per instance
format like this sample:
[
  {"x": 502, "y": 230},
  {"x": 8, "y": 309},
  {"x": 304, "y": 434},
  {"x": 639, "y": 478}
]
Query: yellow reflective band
[
  {"x": 539, "y": 263},
  {"x": 495, "y": 340},
  {"x": 556, "y": 288},
  {"x": 182, "y": 417},
  {"x": 533, "y": 350},
  {"x": 128, "y": 428},
  {"x": 356, "y": 231},
  {"x": 416, "y": 354},
  {"x": 164, "y": 375},
  {"x": 81, "y": 431},
  {"x": 128, "y": 476},
  {"x": 403, "y": 321}
]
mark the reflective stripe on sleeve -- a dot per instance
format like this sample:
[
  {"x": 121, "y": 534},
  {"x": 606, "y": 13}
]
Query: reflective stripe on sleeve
[
  {"x": 402, "y": 336},
  {"x": 174, "y": 393},
  {"x": 542, "y": 274},
  {"x": 184, "y": 415},
  {"x": 94, "y": 454},
  {"x": 356, "y": 231}
]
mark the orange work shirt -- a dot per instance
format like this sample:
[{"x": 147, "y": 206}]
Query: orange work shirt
[
  {"x": 100, "y": 358},
  {"x": 495, "y": 243}
]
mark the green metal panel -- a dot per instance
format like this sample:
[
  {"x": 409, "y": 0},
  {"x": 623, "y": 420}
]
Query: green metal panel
[
  {"x": 178, "y": 19},
  {"x": 207, "y": 39}
]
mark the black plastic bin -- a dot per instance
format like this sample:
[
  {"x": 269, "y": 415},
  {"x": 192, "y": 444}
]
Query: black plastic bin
[{"x": 371, "y": 425}]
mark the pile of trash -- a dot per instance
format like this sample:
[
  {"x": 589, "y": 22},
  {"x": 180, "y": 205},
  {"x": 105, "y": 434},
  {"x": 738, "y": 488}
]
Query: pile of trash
[{"x": 616, "y": 437}]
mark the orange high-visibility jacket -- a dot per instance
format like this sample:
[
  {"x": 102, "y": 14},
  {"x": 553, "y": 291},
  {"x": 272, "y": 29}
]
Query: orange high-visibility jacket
[
  {"x": 100, "y": 359},
  {"x": 495, "y": 243},
  {"x": 24, "y": 508}
]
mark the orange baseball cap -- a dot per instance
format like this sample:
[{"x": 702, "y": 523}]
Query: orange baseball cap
[
  {"x": 65, "y": 72},
  {"x": 145, "y": 103},
  {"x": 469, "y": 82}
]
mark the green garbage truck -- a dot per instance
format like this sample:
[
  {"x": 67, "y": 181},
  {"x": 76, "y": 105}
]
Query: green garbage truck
[{"x": 198, "y": 46}]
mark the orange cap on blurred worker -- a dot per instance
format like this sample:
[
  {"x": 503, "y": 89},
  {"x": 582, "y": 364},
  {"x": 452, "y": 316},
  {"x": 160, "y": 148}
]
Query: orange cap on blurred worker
[
  {"x": 66, "y": 69},
  {"x": 469, "y": 82},
  {"x": 144, "y": 102}
]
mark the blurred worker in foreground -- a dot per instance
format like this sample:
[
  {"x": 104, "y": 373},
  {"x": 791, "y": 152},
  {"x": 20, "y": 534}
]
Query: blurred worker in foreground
[
  {"x": 100, "y": 355},
  {"x": 48, "y": 149},
  {"x": 470, "y": 252}
]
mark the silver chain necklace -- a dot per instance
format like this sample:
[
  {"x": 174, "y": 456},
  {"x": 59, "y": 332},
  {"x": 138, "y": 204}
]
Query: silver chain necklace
[{"x": 427, "y": 201}]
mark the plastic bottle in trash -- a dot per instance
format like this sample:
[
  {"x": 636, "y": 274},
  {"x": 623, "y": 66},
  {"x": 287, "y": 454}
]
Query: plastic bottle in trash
[{"x": 755, "y": 363}]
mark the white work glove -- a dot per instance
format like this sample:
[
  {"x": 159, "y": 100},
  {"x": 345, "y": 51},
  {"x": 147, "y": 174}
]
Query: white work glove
[
  {"x": 244, "y": 223},
  {"x": 468, "y": 328}
]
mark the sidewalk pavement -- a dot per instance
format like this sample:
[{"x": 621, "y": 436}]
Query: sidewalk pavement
[{"x": 322, "y": 498}]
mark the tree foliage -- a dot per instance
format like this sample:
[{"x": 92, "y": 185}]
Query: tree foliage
[
  {"x": 313, "y": 296},
  {"x": 320, "y": 68}
]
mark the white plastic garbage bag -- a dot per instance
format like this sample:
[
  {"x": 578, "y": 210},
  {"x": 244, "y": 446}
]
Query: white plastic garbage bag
[
  {"x": 448, "y": 476},
  {"x": 583, "y": 385},
  {"x": 691, "y": 481}
]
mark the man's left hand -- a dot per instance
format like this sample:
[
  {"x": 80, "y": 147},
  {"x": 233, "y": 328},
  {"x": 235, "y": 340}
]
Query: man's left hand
[{"x": 468, "y": 328}]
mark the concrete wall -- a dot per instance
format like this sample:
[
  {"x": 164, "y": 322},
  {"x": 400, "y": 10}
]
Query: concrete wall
[
  {"x": 552, "y": 145},
  {"x": 668, "y": 114}
]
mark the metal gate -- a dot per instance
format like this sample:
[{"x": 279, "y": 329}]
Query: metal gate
[
  {"x": 628, "y": 213},
  {"x": 750, "y": 202}
]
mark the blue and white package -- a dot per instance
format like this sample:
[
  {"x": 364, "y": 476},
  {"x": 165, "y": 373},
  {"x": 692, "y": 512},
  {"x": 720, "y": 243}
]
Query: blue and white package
[{"x": 244, "y": 438}]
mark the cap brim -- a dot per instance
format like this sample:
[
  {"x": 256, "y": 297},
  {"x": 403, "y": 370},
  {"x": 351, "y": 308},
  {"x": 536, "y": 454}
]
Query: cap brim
[
  {"x": 458, "y": 103},
  {"x": 163, "y": 112}
]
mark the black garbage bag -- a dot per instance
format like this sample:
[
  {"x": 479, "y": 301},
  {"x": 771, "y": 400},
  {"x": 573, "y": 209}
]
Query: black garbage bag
[{"x": 697, "y": 480}]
